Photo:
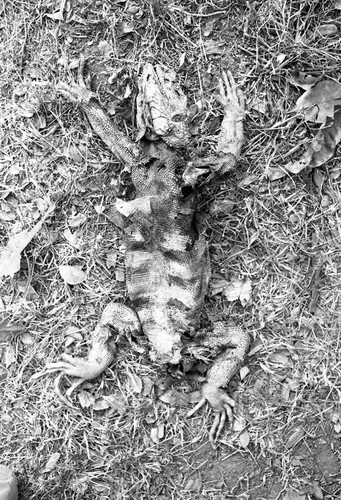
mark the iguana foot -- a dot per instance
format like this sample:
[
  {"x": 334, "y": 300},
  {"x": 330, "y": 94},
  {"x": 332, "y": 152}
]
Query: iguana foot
[
  {"x": 122, "y": 320},
  {"x": 230, "y": 96},
  {"x": 222, "y": 405},
  {"x": 230, "y": 138}
]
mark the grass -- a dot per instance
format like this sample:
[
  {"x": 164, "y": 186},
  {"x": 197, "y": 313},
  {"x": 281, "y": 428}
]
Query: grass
[{"x": 272, "y": 233}]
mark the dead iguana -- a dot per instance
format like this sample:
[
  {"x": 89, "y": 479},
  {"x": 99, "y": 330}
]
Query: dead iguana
[{"x": 167, "y": 261}]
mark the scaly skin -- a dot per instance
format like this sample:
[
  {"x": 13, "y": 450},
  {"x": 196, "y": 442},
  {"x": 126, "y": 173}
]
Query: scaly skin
[{"x": 167, "y": 262}]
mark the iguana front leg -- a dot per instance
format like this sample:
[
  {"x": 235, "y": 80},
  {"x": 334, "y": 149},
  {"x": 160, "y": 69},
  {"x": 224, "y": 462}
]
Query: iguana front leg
[
  {"x": 236, "y": 343},
  {"x": 230, "y": 138},
  {"x": 116, "y": 318},
  {"x": 120, "y": 144}
]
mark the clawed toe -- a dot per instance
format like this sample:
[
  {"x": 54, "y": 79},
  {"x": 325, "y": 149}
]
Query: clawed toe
[
  {"x": 219, "y": 422},
  {"x": 222, "y": 405},
  {"x": 229, "y": 94}
]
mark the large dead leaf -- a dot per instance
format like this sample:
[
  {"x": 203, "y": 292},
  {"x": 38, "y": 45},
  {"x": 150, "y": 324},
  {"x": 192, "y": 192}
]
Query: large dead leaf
[
  {"x": 318, "y": 103},
  {"x": 72, "y": 274},
  {"x": 321, "y": 148},
  {"x": 11, "y": 254}
]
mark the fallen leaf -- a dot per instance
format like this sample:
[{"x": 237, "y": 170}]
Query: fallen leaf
[
  {"x": 194, "y": 483},
  {"x": 116, "y": 403},
  {"x": 157, "y": 433},
  {"x": 72, "y": 238},
  {"x": 105, "y": 48},
  {"x": 111, "y": 259},
  {"x": 222, "y": 206},
  {"x": 174, "y": 398},
  {"x": 238, "y": 289},
  {"x": 182, "y": 59},
  {"x": 295, "y": 438},
  {"x": 214, "y": 47},
  {"x": 154, "y": 435},
  {"x": 239, "y": 424},
  {"x": 135, "y": 382},
  {"x": 119, "y": 275},
  {"x": 304, "y": 80},
  {"x": 250, "y": 179},
  {"x": 255, "y": 347},
  {"x": 243, "y": 372},
  {"x": 101, "y": 404},
  {"x": 319, "y": 102},
  {"x": 52, "y": 462},
  {"x": 10, "y": 256},
  {"x": 294, "y": 495},
  {"x": 338, "y": 4},
  {"x": 327, "y": 29},
  {"x": 73, "y": 153},
  {"x": 85, "y": 399},
  {"x": 244, "y": 438},
  {"x": 9, "y": 356},
  {"x": 76, "y": 220},
  {"x": 72, "y": 275},
  {"x": 7, "y": 332},
  {"x": 321, "y": 148},
  {"x": 26, "y": 338},
  {"x": 316, "y": 490}
]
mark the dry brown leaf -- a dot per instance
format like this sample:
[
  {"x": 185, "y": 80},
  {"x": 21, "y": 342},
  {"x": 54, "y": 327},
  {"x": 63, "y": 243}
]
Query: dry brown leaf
[
  {"x": 318, "y": 103},
  {"x": 72, "y": 275},
  {"x": 10, "y": 256},
  {"x": 338, "y": 4}
]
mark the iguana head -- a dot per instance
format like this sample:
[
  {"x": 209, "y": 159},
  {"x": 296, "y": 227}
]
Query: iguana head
[{"x": 161, "y": 107}]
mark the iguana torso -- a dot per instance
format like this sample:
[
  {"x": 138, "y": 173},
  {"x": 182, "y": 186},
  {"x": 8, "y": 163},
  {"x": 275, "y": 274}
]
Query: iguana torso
[{"x": 167, "y": 264}]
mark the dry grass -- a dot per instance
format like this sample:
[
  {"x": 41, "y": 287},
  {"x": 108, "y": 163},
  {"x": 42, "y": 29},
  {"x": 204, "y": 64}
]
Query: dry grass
[{"x": 273, "y": 233}]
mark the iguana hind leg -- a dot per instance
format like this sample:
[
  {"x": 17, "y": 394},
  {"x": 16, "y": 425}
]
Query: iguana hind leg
[
  {"x": 235, "y": 342},
  {"x": 116, "y": 318}
]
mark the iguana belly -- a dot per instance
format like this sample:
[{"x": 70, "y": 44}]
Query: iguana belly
[{"x": 166, "y": 288}]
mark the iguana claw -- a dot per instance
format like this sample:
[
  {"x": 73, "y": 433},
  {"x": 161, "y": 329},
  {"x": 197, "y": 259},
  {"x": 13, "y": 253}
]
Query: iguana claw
[{"x": 221, "y": 404}]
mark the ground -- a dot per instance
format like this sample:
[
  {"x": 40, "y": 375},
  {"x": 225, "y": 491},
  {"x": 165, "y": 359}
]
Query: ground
[{"x": 127, "y": 434}]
